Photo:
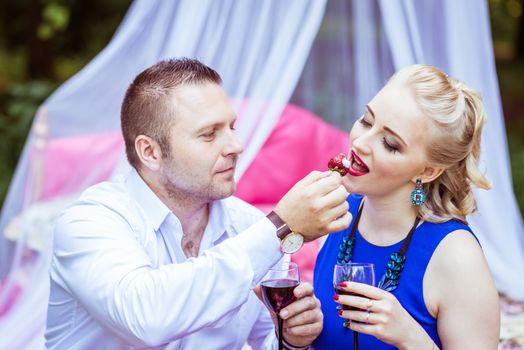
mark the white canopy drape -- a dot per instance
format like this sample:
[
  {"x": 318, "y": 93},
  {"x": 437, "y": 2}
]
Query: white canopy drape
[{"x": 260, "y": 48}]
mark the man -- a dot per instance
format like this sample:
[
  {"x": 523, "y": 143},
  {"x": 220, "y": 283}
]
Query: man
[{"x": 165, "y": 257}]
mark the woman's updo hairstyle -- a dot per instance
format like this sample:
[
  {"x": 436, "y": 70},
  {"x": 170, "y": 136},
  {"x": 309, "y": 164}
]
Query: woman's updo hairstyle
[{"x": 458, "y": 116}]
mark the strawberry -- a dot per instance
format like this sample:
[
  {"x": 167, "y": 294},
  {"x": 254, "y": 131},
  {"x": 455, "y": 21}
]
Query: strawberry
[{"x": 339, "y": 163}]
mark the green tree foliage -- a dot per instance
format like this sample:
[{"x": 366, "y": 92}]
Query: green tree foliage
[
  {"x": 43, "y": 43},
  {"x": 507, "y": 28}
]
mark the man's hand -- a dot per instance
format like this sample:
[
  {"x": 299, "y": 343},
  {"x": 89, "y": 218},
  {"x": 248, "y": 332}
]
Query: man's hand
[
  {"x": 303, "y": 319},
  {"x": 316, "y": 205}
]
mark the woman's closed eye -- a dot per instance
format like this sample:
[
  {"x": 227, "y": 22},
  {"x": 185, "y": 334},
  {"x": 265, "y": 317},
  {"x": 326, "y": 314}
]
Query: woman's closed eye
[
  {"x": 364, "y": 122},
  {"x": 390, "y": 147}
]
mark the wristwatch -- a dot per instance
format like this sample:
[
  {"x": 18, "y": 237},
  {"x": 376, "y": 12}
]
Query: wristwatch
[{"x": 290, "y": 241}]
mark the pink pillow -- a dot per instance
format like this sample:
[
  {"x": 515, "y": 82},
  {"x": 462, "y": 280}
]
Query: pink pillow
[
  {"x": 72, "y": 163},
  {"x": 301, "y": 142}
]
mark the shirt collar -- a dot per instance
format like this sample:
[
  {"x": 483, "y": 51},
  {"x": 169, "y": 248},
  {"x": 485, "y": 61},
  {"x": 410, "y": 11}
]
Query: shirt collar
[
  {"x": 153, "y": 207},
  {"x": 219, "y": 222}
]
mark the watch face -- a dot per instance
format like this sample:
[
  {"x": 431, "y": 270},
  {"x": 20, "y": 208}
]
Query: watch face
[{"x": 291, "y": 243}]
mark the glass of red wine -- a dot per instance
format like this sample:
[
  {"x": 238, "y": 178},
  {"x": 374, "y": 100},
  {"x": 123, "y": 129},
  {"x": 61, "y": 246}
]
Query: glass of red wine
[
  {"x": 353, "y": 272},
  {"x": 277, "y": 290}
]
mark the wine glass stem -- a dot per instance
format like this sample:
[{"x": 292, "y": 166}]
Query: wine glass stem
[
  {"x": 355, "y": 340},
  {"x": 280, "y": 334}
]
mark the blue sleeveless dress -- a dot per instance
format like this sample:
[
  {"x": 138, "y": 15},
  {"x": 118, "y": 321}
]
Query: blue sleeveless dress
[{"x": 425, "y": 240}]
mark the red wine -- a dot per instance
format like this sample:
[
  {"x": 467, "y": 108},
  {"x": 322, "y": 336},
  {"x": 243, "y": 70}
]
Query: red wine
[
  {"x": 340, "y": 291},
  {"x": 278, "y": 293}
]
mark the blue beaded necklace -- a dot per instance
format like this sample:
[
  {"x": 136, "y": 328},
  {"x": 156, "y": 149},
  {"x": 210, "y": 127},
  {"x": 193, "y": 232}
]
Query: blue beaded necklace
[{"x": 390, "y": 279}]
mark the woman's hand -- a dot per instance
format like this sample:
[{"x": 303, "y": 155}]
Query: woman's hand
[{"x": 381, "y": 315}]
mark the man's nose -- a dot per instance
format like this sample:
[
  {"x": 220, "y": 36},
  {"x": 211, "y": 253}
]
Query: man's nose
[{"x": 233, "y": 145}]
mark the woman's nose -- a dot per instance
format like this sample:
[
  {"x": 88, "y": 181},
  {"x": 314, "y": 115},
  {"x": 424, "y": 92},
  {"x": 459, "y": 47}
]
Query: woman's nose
[{"x": 362, "y": 143}]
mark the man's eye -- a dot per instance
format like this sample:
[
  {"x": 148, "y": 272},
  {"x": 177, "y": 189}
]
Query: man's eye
[
  {"x": 389, "y": 147},
  {"x": 209, "y": 135}
]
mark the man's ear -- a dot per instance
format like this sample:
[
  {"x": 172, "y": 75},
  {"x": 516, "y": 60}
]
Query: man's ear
[
  {"x": 428, "y": 174},
  {"x": 148, "y": 151}
]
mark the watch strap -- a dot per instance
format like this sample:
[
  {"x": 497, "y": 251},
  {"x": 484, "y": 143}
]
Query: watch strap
[{"x": 282, "y": 228}]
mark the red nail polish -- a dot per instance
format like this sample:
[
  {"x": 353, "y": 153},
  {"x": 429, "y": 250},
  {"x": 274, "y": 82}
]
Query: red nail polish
[
  {"x": 335, "y": 297},
  {"x": 343, "y": 284},
  {"x": 339, "y": 312}
]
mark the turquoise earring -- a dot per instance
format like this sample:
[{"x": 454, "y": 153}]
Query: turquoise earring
[{"x": 418, "y": 196}]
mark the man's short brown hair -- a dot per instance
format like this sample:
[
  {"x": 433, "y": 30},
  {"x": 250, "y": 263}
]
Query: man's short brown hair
[{"x": 146, "y": 109}]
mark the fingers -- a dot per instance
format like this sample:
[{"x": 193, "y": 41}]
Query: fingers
[
  {"x": 362, "y": 321},
  {"x": 354, "y": 301},
  {"x": 363, "y": 328},
  {"x": 258, "y": 292},
  {"x": 306, "y": 300},
  {"x": 335, "y": 198},
  {"x": 365, "y": 290},
  {"x": 332, "y": 209},
  {"x": 314, "y": 176},
  {"x": 357, "y": 315},
  {"x": 303, "y": 289},
  {"x": 305, "y": 330},
  {"x": 304, "y": 318},
  {"x": 339, "y": 217},
  {"x": 305, "y": 310},
  {"x": 341, "y": 223},
  {"x": 313, "y": 203},
  {"x": 299, "y": 306},
  {"x": 329, "y": 184},
  {"x": 366, "y": 297}
]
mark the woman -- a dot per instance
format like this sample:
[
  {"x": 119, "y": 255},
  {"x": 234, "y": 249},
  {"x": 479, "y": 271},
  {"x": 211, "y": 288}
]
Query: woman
[{"x": 414, "y": 161}]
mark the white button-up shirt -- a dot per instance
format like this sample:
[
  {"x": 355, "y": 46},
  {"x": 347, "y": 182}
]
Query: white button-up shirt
[{"x": 120, "y": 280}]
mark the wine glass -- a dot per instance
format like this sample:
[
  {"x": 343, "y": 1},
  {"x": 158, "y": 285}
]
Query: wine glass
[
  {"x": 353, "y": 272},
  {"x": 277, "y": 290}
]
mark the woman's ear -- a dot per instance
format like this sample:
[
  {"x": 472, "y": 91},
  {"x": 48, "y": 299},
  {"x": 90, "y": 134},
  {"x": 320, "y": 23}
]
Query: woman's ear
[
  {"x": 148, "y": 151},
  {"x": 428, "y": 174}
]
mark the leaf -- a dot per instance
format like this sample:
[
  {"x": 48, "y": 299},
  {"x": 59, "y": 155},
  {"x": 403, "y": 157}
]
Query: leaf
[
  {"x": 44, "y": 32},
  {"x": 56, "y": 16}
]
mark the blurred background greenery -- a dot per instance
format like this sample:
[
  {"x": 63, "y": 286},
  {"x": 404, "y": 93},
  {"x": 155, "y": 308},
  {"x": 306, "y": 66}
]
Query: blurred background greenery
[
  {"x": 507, "y": 28},
  {"x": 44, "y": 42}
]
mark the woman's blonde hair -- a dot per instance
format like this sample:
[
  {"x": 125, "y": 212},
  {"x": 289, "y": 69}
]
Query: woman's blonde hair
[{"x": 458, "y": 115}]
